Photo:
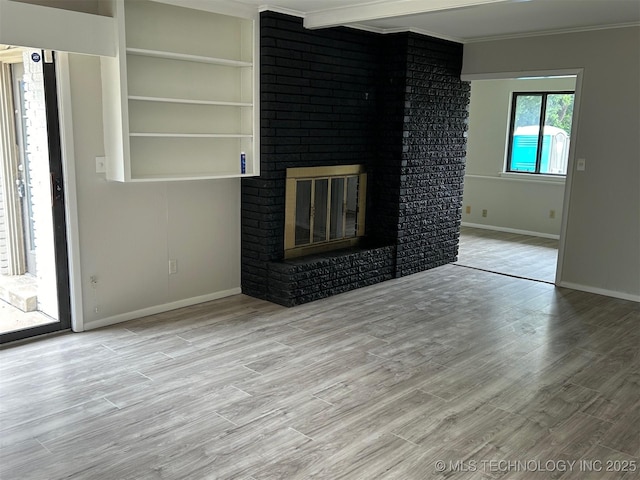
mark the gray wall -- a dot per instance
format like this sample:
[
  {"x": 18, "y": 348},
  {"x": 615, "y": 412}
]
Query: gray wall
[
  {"x": 602, "y": 250},
  {"x": 128, "y": 232},
  {"x": 530, "y": 197},
  {"x": 86, "y": 6}
]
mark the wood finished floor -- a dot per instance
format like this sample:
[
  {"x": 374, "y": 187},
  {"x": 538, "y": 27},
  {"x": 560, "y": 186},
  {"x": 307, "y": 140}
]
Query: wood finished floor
[
  {"x": 453, "y": 364},
  {"x": 523, "y": 256}
]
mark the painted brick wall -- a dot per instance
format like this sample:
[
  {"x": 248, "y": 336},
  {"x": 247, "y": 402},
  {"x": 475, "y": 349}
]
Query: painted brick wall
[
  {"x": 342, "y": 96},
  {"x": 433, "y": 155},
  {"x": 318, "y": 107},
  {"x": 384, "y": 214}
]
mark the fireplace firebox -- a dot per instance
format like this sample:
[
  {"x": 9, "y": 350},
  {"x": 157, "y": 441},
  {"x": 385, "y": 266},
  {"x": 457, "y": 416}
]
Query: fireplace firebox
[{"x": 324, "y": 209}]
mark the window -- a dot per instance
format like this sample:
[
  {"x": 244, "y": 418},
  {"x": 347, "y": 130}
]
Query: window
[
  {"x": 324, "y": 209},
  {"x": 539, "y": 132}
]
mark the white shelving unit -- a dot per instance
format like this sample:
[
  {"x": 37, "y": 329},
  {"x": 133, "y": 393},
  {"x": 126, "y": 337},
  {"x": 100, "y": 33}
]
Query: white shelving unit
[{"x": 180, "y": 98}]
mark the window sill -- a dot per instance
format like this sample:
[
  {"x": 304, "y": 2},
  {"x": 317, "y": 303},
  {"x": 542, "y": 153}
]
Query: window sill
[{"x": 533, "y": 177}]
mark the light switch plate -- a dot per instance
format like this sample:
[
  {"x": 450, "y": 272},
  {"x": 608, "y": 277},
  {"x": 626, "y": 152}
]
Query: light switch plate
[
  {"x": 101, "y": 165},
  {"x": 581, "y": 164}
]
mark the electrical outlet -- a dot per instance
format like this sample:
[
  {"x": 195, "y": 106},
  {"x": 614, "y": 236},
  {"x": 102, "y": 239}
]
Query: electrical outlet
[
  {"x": 468, "y": 209},
  {"x": 173, "y": 267},
  {"x": 552, "y": 214},
  {"x": 484, "y": 212}
]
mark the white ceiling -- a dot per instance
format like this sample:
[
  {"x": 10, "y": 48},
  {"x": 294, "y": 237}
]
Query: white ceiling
[{"x": 462, "y": 20}]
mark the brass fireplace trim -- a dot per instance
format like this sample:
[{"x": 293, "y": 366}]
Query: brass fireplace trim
[{"x": 313, "y": 173}]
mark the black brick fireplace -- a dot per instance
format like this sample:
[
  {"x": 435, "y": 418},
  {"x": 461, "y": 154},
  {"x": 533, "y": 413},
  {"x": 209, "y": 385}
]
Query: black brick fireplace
[{"x": 393, "y": 103}]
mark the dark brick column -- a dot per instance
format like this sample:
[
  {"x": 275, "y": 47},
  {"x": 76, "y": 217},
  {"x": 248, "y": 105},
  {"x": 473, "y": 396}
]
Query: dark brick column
[{"x": 433, "y": 155}]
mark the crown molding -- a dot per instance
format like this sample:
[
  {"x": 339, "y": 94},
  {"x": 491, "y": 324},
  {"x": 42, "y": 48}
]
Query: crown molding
[
  {"x": 284, "y": 11},
  {"x": 551, "y": 32},
  {"x": 421, "y": 31}
]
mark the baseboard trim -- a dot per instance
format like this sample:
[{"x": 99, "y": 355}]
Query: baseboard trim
[
  {"x": 187, "y": 302},
  {"x": 511, "y": 230},
  {"x": 600, "y": 291}
]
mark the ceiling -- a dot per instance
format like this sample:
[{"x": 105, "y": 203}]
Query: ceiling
[{"x": 463, "y": 21}]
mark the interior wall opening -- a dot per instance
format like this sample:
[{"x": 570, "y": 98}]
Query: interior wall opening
[{"x": 518, "y": 146}]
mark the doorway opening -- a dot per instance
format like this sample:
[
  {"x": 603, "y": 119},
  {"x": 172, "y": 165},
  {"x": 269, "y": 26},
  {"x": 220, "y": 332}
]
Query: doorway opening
[
  {"x": 32, "y": 234},
  {"x": 517, "y": 173}
]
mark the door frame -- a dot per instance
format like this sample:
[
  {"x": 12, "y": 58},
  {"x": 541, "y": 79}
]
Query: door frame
[
  {"x": 578, "y": 72},
  {"x": 71, "y": 200},
  {"x": 54, "y": 142},
  {"x": 64, "y": 201}
]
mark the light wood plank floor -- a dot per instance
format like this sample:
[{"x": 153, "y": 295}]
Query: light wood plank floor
[
  {"x": 523, "y": 256},
  {"x": 453, "y": 364}
]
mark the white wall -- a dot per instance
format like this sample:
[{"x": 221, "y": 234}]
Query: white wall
[
  {"x": 86, "y": 6},
  {"x": 33, "y": 25},
  {"x": 128, "y": 232},
  {"x": 523, "y": 203},
  {"x": 602, "y": 250}
]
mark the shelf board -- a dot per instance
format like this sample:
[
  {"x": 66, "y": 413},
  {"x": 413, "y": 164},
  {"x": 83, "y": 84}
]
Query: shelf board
[
  {"x": 188, "y": 101},
  {"x": 186, "y": 57},
  {"x": 189, "y": 176},
  {"x": 189, "y": 135}
]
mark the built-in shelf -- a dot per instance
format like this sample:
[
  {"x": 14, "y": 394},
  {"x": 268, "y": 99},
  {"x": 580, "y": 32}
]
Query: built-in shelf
[
  {"x": 189, "y": 101},
  {"x": 195, "y": 176},
  {"x": 180, "y": 97},
  {"x": 189, "y": 135},
  {"x": 188, "y": 58}
]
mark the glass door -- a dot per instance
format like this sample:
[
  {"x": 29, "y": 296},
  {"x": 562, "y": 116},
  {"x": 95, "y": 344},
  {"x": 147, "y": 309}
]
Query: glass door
[{"x": 34, "y": 285}]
